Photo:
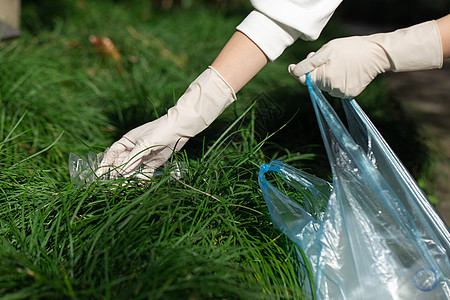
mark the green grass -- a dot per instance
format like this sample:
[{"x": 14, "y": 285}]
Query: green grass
[
  {"x": 208, "y": 236},
  {"x": 159, "y": 240}
]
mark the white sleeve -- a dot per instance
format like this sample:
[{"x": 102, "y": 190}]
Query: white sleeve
[{"x": 275, "y": 25}]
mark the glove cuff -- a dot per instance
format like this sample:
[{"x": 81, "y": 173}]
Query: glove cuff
[
  {"x": 418, "y": 47},
  {"x": 204, "y": 100},
  {"x": 233, "y": 94}
]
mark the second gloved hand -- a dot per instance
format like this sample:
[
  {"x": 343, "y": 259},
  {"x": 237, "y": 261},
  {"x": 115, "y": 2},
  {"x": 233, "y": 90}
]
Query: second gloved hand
[
  {"x": 344, "y": 67},
  {"x": 151, "y": 144}
]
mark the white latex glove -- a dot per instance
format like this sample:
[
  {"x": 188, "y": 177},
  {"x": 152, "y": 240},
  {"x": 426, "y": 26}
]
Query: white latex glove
[
  {"x": 344, "y": 67},
  {"x": 151, "y": 144}
]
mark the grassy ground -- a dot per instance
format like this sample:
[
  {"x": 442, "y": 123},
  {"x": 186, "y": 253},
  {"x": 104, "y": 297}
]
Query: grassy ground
[{"x": 208, "y": 236}]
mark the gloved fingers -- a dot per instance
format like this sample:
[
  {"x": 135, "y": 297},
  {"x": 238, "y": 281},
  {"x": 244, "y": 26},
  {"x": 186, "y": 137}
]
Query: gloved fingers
[
  {"x": 107, "y": 164},
  {"x": 325, "y": 75},
  {"x": 330, "y": 78},
  {"x": 319, "y": 77},
  {"x": 113, "y": 157},
  {"x": 145, "y": 173},
  {"x": 302, "y": 78},
  {"x": 349, "y": 91},
  {"x": 160, "y": 154},
  {"x": 157, "y": 158},
  {"x": 338, "y": 94},
  {"x": 149, "y": 169},
  {"x": 151, "y": 157},
  {"x": 338, "y": 88},
  {"x": 134, "y": 159},
  {"x": 309, "y": 64}
]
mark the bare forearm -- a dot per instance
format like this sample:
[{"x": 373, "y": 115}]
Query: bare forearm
[
  {"x": 239, "y": 61},
  {"x": 444, "y": 30}
]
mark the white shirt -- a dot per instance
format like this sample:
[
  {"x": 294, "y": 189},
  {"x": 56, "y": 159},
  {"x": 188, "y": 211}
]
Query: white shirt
[{"x": 274, "y": 25}]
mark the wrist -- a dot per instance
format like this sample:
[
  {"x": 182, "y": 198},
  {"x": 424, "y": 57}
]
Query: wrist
[
  {"x": 443, "y": 25},
  {"x": 220, "y": 77},
  {"x": 410, "y": 49},
  {"x": 239, "y": 61}
]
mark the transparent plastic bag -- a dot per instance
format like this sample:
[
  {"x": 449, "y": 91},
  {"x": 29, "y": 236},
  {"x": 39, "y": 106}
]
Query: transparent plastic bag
[
  {"x": 82, "y": 171},
  {"x": 376, "y": 235}
]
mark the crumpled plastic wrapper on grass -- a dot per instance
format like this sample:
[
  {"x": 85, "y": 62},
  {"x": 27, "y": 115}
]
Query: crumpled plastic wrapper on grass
[{"x": 84, "y": 171}]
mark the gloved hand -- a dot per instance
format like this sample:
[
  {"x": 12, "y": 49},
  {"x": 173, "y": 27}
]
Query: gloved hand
[
  {"x": 152, "y": 144},
  {"x": 344, "y": 67}
]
